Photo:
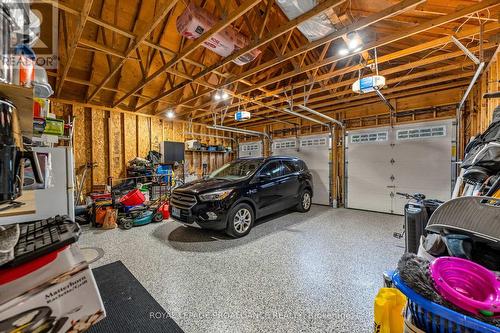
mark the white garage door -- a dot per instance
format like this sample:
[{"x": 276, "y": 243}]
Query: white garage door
[
  {"x": 415, "y": 158},
  {"x": 251, "y": 149},
  {"x": 315, "y": 151}
]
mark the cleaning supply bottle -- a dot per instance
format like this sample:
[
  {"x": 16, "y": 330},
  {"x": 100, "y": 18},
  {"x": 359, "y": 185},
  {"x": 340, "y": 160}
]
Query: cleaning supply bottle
[{"x": 388, "y": 311}]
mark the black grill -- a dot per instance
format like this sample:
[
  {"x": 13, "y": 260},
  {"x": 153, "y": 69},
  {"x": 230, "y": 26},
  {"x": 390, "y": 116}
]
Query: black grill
[{"x": 183, "y": 200}]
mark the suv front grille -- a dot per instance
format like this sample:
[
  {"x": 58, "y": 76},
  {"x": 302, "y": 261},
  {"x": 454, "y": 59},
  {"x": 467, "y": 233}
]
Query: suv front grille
[{"x": 183, "y": 200}]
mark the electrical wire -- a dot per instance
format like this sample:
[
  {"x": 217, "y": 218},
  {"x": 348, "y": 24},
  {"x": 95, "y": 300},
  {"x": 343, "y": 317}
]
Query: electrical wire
[{"x": 442, "y": 47}]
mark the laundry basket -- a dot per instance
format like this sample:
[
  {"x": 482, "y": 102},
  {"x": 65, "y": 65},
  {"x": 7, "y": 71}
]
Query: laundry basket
[{"x": 434, "y": 318}]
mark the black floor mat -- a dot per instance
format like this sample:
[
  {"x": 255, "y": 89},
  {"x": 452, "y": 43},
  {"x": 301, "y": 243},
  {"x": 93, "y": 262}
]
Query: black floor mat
[{"x": 129, "y": 306}]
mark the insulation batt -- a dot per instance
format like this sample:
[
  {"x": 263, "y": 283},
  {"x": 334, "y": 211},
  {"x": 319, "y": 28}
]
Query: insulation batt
[
  {"x": 314, "y": 28},
  {"x": 195, "y": 21}
]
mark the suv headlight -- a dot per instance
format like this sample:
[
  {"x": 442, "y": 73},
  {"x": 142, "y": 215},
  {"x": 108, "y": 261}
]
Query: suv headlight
[{"x": 215, "y": 196}]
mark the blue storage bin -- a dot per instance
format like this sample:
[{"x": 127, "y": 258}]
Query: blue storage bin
[
  {"x": 164, "y": 170},
  {"x": 435, "y": 318}
]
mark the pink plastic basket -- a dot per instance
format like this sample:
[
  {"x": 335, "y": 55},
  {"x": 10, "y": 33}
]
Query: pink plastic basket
[{"x": 467, "y": 285}]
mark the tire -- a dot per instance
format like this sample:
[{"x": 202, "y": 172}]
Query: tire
[
  {"x": 305, "y": 201},
  {"x": 240, "y": 220},
  {"x": 127, "y": 224},
  {"x": 157, "y": 217}
]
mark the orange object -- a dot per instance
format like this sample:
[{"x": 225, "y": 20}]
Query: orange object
[
  {"x": 26, "y": 71},
  {"x": 100, "y": 214},
  {"x": 37, "y": 109}
]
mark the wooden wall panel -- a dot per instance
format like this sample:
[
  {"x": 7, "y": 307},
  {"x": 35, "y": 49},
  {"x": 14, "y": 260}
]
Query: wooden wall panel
[
  {"x": 429, "y": 100},
  {"x": 100, "y": 146},
  {"x": 130, "y": 136},
  {"x": 156, "y": 133},
  {"x": 478, "y": 111},
  {"x": 116, "y": 156},
  {"x": 61, "y": 110},
  {"x": 112, "y": 138},
  {"x": 143, "y": 136},
  {"x": 167, "y": 130},
  {"x": 82, "y": 142}
]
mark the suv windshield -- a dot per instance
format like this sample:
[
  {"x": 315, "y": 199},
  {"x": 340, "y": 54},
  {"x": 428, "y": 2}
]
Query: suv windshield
[{"x": 237, "y": 170}]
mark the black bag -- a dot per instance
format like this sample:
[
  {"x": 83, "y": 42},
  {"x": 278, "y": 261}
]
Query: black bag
[
  {"x": 483, "y": 153},
  {"x": 485, "y": 157},
  {"x": 491, "y": 134}
]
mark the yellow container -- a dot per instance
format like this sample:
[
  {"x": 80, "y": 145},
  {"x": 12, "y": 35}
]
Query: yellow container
[{"x": 388, "y": 311}]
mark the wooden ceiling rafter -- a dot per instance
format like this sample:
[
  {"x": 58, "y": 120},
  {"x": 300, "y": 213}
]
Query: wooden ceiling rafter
[
  {"x": 247, "y": 5},
  {"x": 355, "y": 68},
  {"x": 381, "y": 42},
  {"x": 102, "y": 48},
  {"x": 151, "y": 56},
  {"x": 267, "y": 14},
  {"x": 85, "y": 82},
  {"x": 99, "y": 30},
  {"x": 289, "y": 62},
  {"x": 385, "y": 58},
  {"x": 369, "y": 102},
  {"x": 114, "y": 28},
  {"x": 83, "y": 16},
  {"x": 363, "y": 23},
  {"x": 136, "y": 43},
  {"x": 408, "y": 90},
  {"x": 289, "y": 26},
  {"x": 110, "y": 63}
]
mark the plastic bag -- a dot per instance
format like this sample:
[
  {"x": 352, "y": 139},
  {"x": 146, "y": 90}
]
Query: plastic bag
[
  {"x": 388, "y": 311},
  {"x": 110, "y": 219}
]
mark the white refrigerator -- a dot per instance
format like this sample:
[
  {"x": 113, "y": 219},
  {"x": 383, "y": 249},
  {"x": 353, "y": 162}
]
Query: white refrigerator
[{"x": 58, "y": 198}]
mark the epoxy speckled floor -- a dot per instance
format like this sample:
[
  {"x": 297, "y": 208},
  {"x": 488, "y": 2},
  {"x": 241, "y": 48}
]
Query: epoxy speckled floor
[{"x": 315, "y": 272}]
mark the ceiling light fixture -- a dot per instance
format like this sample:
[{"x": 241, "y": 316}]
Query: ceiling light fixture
[
  {"x": 354, "y": 44},
  {"x": 354, "y": 40},
  {"x": 170, "y": 114},
  {"x": 221, "y": 95},
  {"x": 343, "y": 52}
]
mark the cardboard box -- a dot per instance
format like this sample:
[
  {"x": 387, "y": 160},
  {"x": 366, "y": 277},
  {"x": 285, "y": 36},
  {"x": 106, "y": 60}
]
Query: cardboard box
[
  {"x": 68, "y": 303},
  {"x": 17, "y": 280}
]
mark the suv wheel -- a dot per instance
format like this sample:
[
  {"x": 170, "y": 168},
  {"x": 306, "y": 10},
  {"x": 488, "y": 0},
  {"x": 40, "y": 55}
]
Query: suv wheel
[
  {"x": 240, "y": 220},
  {"x": 304, "y": 204}
]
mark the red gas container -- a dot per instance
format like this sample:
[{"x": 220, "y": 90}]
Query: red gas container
[{"x": 164, "y": 209}]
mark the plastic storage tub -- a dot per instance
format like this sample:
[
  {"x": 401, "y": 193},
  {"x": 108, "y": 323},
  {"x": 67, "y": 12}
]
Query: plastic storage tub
[
  {"x": 54, "y": 126},
  {"x": 435, "y": 318},
  {"x": 133, "y": 198}
]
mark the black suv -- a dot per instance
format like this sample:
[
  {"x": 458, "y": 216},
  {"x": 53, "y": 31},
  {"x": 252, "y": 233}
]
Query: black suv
[{"x": 240, "y": 192}]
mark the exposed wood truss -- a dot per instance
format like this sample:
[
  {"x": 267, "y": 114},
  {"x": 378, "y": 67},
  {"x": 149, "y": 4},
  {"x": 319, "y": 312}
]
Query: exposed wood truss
[{"x": 129, "y": 54}]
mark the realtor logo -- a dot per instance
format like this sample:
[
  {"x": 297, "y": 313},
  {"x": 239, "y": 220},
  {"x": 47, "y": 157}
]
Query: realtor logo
[{"x": 33, "y": 23}]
